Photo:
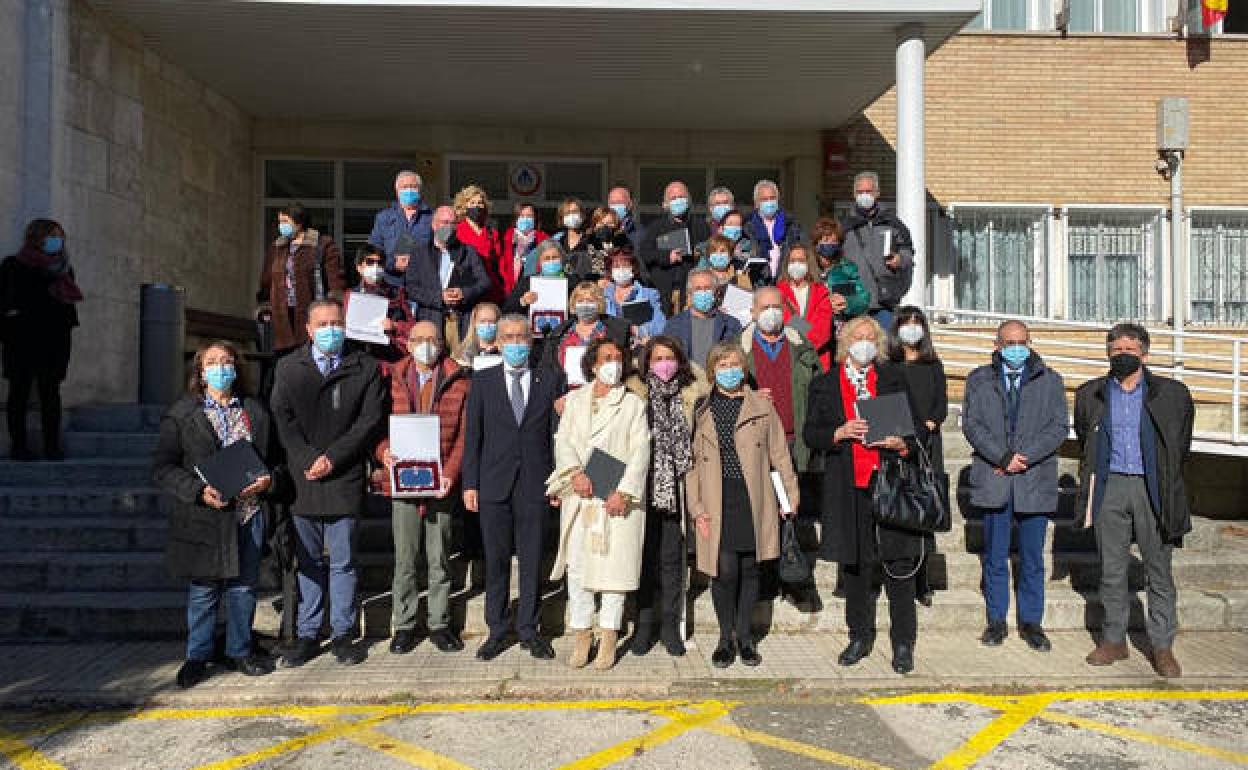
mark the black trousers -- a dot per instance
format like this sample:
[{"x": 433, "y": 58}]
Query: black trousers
[
  {"x": 734, "y": 592},
  {"x": 662, "y": 583},
  {"x": 20, "y": 385},
  {"x": 860, "y": 597},
  {"x": 507, "y": 528}
]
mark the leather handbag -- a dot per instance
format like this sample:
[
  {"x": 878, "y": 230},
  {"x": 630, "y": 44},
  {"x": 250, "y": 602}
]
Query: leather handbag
[
  {"x": 794, "y": 568},
  {"x": 908, "y": 495}
]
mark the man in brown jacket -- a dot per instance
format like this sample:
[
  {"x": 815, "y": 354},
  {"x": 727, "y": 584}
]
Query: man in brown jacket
[{"x": 426, "y": 382}]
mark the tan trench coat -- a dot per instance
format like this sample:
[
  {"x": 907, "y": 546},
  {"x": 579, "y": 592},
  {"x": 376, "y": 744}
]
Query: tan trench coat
[{"x": 762, "y": 448}]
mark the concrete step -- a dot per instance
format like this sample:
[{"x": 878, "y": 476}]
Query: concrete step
[
  {"x": 966, "y": 535},
  {"x": 1218, "y": 570},
  {"x": 116, "y": 418},
  {"x": 82, "y": 534},
  {"x": 86, "y": 446},
  {"x": 107, "y": 614},
  {"x": 100, "y": 571},
  {"x": 81, "y": 500},
  {"x": 72, "y": 473}
]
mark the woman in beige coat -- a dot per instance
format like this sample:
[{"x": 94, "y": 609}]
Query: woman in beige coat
[
  {"x": 738, "y": 441},
  {"x": 601, "y": 531}
]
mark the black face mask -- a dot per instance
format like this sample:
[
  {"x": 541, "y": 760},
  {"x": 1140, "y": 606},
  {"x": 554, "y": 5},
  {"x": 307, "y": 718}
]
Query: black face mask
[
  {"x": 1123, "y": 365},
  {"x": 476, "y": 214},
  {"x": 603, "y": 235}
]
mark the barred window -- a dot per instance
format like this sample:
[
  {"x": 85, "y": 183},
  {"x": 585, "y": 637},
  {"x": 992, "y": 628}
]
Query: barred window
[
  {"x": 1114, "y": 260},
  {"x": 1218, "y": 261},
  {"x": 1000, "y": 258}
]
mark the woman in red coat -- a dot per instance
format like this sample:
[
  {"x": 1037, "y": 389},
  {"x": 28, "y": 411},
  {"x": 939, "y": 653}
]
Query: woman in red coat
[
  {"x": 808, "y": 299},
  {"x": 472, "y": 209},
  {"x": 519, "y": 242}
]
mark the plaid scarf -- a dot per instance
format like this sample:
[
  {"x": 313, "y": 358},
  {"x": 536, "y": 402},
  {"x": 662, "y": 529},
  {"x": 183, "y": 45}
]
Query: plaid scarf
[{"x": 671, "y": 442}]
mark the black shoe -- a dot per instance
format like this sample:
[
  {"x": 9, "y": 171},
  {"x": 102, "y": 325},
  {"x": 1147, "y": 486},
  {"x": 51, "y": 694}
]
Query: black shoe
[
  {"x": 903, "y": 657},
  {"x": 995, "y": 634},
  {"x": 926, "y": 597},
  {"x": 300, "y": 652},
  {"x": 1035, "y": 637},
  {"x": 345, "y": 652},
  {"x": 192, "y": 673},
  {"x": 643, "y": 639},
  {"x": 251, "y": 665},
  {"x": 725, "y": 653},
  {"x": 857, "y": 649},
  {"x": 491, "y": 649},
  {"x": 446, "y": 640},
  {"x": 538, "y": 648},
  {"x": 404, "y": 641},
  {"x": 670, "y": 634},
  {"x": 749, "y": 655}
]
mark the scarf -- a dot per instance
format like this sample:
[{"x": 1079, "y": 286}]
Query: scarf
[
  {"x": 56, "y": 266},
  {"x": 672, "y": 451}
]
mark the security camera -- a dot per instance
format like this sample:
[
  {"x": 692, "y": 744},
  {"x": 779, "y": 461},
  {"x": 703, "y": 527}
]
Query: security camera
[{"x": 1161, "y": 166}]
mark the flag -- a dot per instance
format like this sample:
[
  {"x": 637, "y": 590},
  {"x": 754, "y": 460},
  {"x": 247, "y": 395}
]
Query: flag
[{"x": 1212, "y": 11}]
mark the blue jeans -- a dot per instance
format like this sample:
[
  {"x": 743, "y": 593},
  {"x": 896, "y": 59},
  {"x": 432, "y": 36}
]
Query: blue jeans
[
  {"x": 240, "y": 600},
  {"x": 1030, "y": 583},
  {"x": 315, "y": 534}
]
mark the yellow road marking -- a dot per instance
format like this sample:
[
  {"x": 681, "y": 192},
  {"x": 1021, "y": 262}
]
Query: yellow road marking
[
  {"x": 681, "y": 723},
  {"x": 387, "y": 744},
  {"x": 296, "y": 744},
  {"x": 793, "y": 747},
  {"x": 1178, "y": 744},
  {"x": 982, "y": 743},
  {"x": 23, "y": 755}
]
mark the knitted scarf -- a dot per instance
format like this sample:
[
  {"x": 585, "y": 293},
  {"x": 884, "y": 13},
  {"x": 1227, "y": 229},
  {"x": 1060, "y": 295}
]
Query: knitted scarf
[
  {"x": 671, "y": 442},
  {"x": 63, "y": 287}
]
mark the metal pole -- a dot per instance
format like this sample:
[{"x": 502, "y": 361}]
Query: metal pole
[
  {"x": 911, "y": 179},
  {"x": 1178, "y": 275}
]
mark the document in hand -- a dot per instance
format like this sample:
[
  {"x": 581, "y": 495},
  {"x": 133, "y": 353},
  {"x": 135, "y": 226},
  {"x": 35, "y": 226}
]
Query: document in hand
[
  {"x": 365, "y": 315},
  {"x": 485, "y": 361},
  {"x": 782, "y": 495},
  {"x": 886, "y": 415},
  {"x": 572, "y": 357},
  {"x": 415, "y": 444},
  {"x": 638, "y": 312},
  {"x": 738, "y": 303},
  {"x": 846, "y": 290},
  {"x": 605, "y": 473},
  {"x": 232, "y": 469},
  {"x": 676, "y": 239},
  {"x": 550, "y": 308}
]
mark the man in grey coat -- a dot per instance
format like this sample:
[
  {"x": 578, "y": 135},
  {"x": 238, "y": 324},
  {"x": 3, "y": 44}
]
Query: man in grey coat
[
  {"x": 1014, "y": 416},
  {"x": 879, "y": 244}
]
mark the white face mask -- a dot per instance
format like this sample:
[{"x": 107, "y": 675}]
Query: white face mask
[
  {"x": 864, "y": 200},
  {"x": 910, "y": 334},
  {"x": 426, "y": 353},
  {"x": 371, "y": 273},
  {"x": 610, "y": 372},
  {"x": 771, "y": 320},
  {"x": 863, "y": 352},
  {"x": 572, "y": 221},
  {"x": 798, "y": 270},
  {"x": 622, "y": 276}
]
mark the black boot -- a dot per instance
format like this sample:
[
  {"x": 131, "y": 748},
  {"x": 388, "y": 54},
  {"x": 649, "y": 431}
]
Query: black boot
[
  {"x": 643, "y": 638},
  {"x": 50, "y": 416},
  {"x": 673, "y": 640}
]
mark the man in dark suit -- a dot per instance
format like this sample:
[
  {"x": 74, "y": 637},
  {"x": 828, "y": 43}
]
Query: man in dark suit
[
  {"x": 702, "y": 325},
  {"x": 668, "y": 267},
  {"x": 508, "y": 455},
  {"x": 446, "y": 279}
]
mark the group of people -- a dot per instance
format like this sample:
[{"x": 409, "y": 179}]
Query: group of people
[{"x": 719, "y": 431}]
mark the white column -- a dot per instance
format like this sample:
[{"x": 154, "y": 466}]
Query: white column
[{"x": 911, "y": 180}]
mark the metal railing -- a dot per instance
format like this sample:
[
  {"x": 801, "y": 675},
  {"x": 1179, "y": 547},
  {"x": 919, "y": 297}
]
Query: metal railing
[{"x": 1214, "y": 377}]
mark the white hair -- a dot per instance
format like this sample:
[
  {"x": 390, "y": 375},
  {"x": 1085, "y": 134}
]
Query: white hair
[
  {"x": 721, "y": 190},
  {"x": 874, "y": 177},
  {"x": 762, "y": 183},
  {"x": 405, "y": 174}
]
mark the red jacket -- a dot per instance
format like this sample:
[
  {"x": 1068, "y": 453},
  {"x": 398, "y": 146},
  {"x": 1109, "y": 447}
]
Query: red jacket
[
  {"x": 818, "y": 313},
  {"x": 507, "y": 266},
  {"x": 490, "y": 247}
]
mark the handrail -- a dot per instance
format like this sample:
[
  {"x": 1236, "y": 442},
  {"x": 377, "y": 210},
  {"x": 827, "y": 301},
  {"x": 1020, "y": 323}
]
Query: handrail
[{"x": 1158, "y": 331}]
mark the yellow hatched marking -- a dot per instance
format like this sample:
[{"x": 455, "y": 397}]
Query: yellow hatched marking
[
  {"x": 389, "y": 745},
  {"x": 23, "y": 755},
  {"x": 794, "y": 747},
  {"x": 296, "y": 744},
  {"x": 1177, "y": 744},
  {"x": 1013, "y": 717},
  {"x": 681, "y": 723}
]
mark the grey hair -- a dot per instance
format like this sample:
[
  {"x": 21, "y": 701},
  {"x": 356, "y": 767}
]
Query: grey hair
[
  {"x": 694, "y": 273},
  {"x": 873, "y": 176},
  {"x": 406, "y": 173},
  {"x": 547, "y": 246},
  {"x": 437, "y": 330},
  {"x": 1001, "y": 327},
  {"x": 517, "y": 318},
  {"x": 760, "y": 184},
  {"x": 721, "y": 190}
]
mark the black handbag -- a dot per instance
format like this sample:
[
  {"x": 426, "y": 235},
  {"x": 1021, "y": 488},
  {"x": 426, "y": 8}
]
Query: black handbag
[
  {"x": 908, "y": 496},
  {"x": 794, "y": 568}
]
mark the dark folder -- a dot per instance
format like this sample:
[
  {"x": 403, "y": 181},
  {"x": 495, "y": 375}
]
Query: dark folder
[
  {"x": 605, "y": 473},
  {"x": 233, "y": 469},
  {"x": 638, "y": 312},
  {"x": 676, "y": 239},
  {"x": 846, "y": 290},
  {"x": 886, "y": 415}
]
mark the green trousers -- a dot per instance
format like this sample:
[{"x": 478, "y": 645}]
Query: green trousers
[{"x": 416, "y": 536}]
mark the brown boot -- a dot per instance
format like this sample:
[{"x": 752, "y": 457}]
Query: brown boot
[
  {"x": 607, "y": 640},
  {"x": 1107, "y": 653},
  {"x": 581, "y": 645},
  {"x": 1165, "y": 664}
]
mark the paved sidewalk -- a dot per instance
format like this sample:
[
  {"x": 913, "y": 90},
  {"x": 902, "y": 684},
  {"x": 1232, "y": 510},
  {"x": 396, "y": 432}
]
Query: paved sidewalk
[{"x": 115, "y": 673}]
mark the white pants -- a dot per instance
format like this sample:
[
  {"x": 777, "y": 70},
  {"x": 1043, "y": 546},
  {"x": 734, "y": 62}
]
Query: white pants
[{"x": 581, "y": 600}]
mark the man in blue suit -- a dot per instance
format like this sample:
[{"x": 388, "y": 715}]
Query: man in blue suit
[
  {"x": 702, "y": 325},
  {"x": 409, "y": 215},
  {"x": 508, "y": 455}
]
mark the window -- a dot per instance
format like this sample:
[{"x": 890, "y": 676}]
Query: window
[
  {"x": 700, "y": 180},
  {"x": 1088, "y": 16},
  {"x": 299, "y": 179},
  {"x": 1113, "y": 264},
  {"x": 1105, "y": 15},
  {"x": 1218, "y": 261},
  {"x": 1000, "y": 258}
]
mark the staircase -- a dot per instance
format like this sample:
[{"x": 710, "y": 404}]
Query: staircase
[{"x": 81, "y": 555}]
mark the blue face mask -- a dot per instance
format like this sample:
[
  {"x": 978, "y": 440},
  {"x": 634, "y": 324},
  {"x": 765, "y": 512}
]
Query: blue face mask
[
  {"x": 769, "y": 208},
  {"x": 678, "y": 206},
  {"x": 1015, "y": 355},
  {"x": 409, "y": 197},
  {"x": 486, "y": 331},
  {"x": 730, "y": 378},
  {"x": 53, "y": 244},
  {"x": 329, "y": 339},
  {"x": 731, "y": 233},
  {"x": 516, "y": 354},
  {"x": 220, "y": 377},
  {"x": 524, "y": 224},
  {"x": 552, "y": 268},
  {"x": 704, "y": 300},
  {"x": 720, "y": 210},
  {"x": 620, "y": 210},
  {"x": 720, "y": 261},
  {"x": 285, "y": 229}
]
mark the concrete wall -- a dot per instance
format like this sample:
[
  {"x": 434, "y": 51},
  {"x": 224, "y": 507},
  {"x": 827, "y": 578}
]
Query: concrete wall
[{"x": 12, "y": 21}]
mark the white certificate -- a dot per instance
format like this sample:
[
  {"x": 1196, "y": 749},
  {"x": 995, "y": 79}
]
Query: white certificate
[
  {"x": 485, "y": 361},
  {"x": 366, "y": 313},
  {"x": 888, "y": 242},
  {"x": 415, "y": 444},
  {"x": 552, "y": 293},
  {"x": 782, "y": 496},
  {"x": 572, "y": 357},
  {"x": 738, "y": 303}
]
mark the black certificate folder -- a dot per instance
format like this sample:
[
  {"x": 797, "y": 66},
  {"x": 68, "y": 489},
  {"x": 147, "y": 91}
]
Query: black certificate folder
[
  {"x": 232, "y": 469},
  {"x": 605, "y": 473},
  {"x": 886, "y": 415}
]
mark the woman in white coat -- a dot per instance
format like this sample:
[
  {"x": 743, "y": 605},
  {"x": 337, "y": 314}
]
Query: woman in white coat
[{"x": 601, "y": 531}]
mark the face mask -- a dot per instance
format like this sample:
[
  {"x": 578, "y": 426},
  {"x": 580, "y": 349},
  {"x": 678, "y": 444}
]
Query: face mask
[
  {"x": 664, "y": 370},
  {"x": 864, "y": 201},
  {"x": 516, "y": 354},
  {"x": 409, "y": 197},
  {"x": 720, "y": 260},
  {"x": 678, "y": 206},
  {"x": 828, "y": 251},
  {"x": 586, "y": 311},
  {"x": 1123, "y": 365},
  {"x": 622, "y": 276},
  {"x": 426, "y": 353},
  {"x": 798, "y": 270},
  {"x": 771, "y": 320},
  {"x": 220, "y": 377},
  {"x": 911, "y": 334},
  {"x": 720, "y": 210},
  {"x": 863, "y": 352},
  {"x": 486, "y": 331},
  {"x": 1015, "y": 355},
  {"x": 524, "y": 224},
  {"x": 285, "y": 229},
  {"x": 329, "y": 339},
  {"x": 476, "y": 214},
  {"x": 620, "y": 210},
  {"x": 603, "y": 234},
  {"x": 704, "y": 300},
  {"x": 572, "y": 221},
  {"x": 769, "y": 208},
  {"x": 729, "y": 378},
  {"x": 732, "y": 232},
  {"x": 371, "y": 273},
  {"x": 53, "y": 244},
  {"x": 610, "y": 373},
  {"x": 444, "y": 234},
  {"x": 552, "y": 267}
]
